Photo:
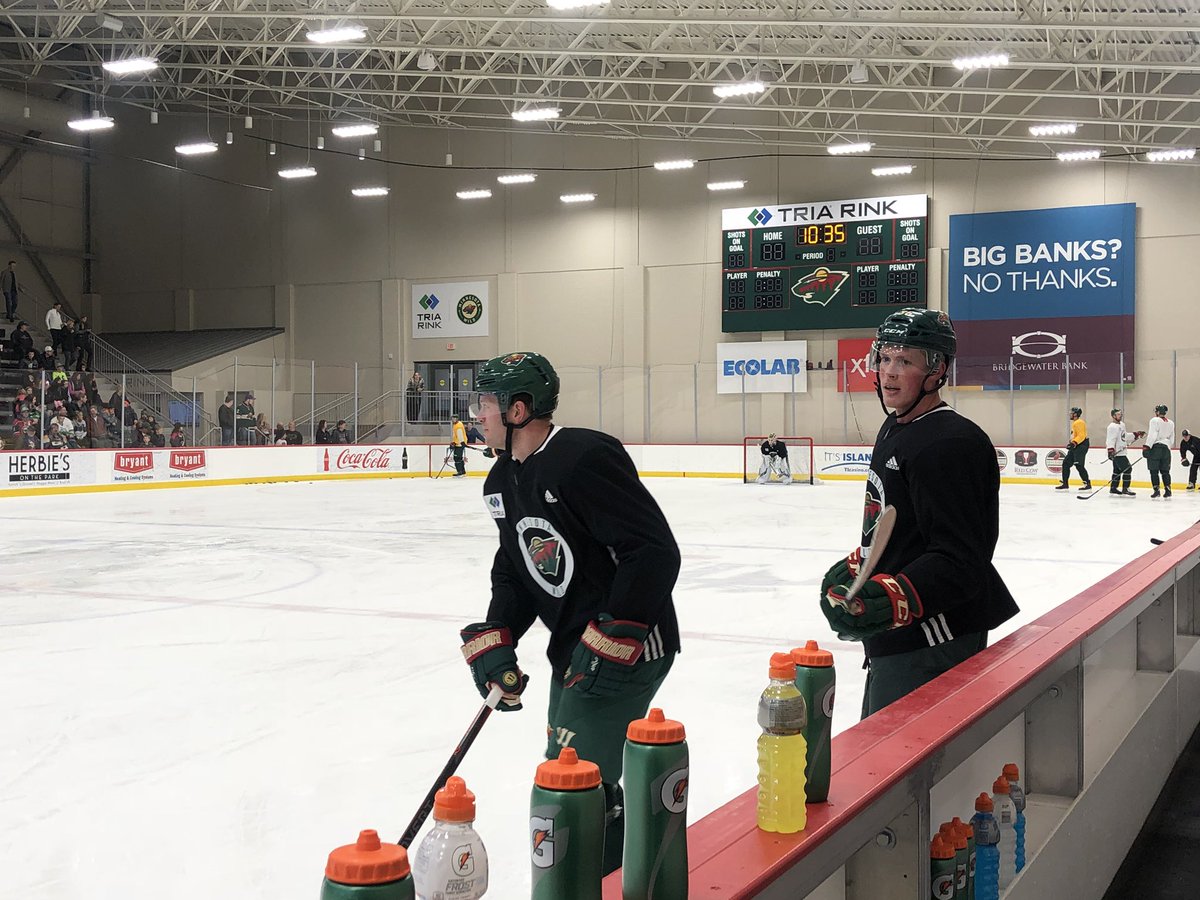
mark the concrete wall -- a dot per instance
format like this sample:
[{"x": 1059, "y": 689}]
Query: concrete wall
[{"x": 607, "y": 290}]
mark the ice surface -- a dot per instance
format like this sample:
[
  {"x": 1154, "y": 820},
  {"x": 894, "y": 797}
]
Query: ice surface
[{"x": 207, "y": 690}]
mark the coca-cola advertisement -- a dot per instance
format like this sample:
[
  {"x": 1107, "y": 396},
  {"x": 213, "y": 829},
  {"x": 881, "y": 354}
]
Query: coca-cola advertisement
[
  {"x": 190, "y": 463},
  {"x": 133, "y": 465},
  {"x": 360, "y": 459}
]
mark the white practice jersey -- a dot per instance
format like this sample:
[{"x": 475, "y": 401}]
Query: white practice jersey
[
  {"x": 1117, "y": 438},
  {"x": 1160, "y": 431}
]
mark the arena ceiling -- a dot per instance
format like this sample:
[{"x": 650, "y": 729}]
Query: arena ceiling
[{"x": 834, "y": 70}]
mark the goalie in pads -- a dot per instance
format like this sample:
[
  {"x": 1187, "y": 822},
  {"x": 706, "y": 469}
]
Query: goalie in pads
[{"x": 774, "y": 461}]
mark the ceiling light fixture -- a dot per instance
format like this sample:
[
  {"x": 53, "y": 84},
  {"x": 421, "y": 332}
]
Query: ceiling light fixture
[
  {"x": 298, "y": 172},
  {"x": 1171, "y": 155},
  {"x": 481, "y": 194},
  {"x": 94, "y": 122},
  {"x": 726, "y": 185},
  {"x": 249, "y": 123},
  {"x": 355, "y": 129},
  {"x": 369, "y": 192},
  {"x": 670, "y": 165},
  {"x": 196, "y": 148},
  {"x": 884, "y": 171},
  {"x": 843, "y": 149},
  {"x": 1054, "y": 128},
  {"x": 426, "y": 61},
  {"x": 524, "y": 178},
  {"x": 337, "y": 35},
  {"x": 989, "y": 61},
  {"x": 1077, "y": 155},
  {"x": 575, "y": 4},
  {"x": 536, "y": 113},
  {"x": 130, "y": 66},
  {"x": 859, "y": 73},
  {"x": 109, "y": 23},
  {"x": 740, "y": 89},
  {"x": 577, "y": 198}
]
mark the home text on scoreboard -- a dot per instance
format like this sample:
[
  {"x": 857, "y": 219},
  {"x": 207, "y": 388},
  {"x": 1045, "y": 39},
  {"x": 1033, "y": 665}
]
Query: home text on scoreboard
[{"x": 830, "y": 264}]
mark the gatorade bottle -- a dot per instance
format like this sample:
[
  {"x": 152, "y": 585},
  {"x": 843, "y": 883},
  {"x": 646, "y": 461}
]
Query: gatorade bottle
[
  {"x": 987, "y": 850},
  {"x": 781, "y": 750},
  {"x": 816, "y": 680},
  {"x": 451, "y": 861},
  {"x": 941, "y": 869},
  {"x": 1006, "y": 818},
  {"x": 1013, "y": 775},
  {"x": 958, "y": 841},
  {"x": 969, "y": 834},
  {"x": 566, "y": 829},
  {"x": 368, "y": 870},
  {"x": 655, "y": 862}
]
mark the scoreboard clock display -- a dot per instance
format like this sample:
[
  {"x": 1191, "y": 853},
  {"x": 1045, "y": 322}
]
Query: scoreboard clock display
[{"x": 830, "y": 264}]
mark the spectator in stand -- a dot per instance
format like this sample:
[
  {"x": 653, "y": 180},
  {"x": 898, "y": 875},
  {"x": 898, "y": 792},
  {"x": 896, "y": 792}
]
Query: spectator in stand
[
  {"x": 129, "y": 421},
  {"x": 292, "y": 436},
  {"x": 145, "y": 439},
  {"x": 93, "y": 391},
  {"x": 65, "y": 426},
  {"x": 117, "y": 400},
  {"x": 55, "y": 439},
  {"x": 278, "y": 436},
  {"x": 111, "y": 424},
  {"x": 47, "y": 361},
  {"x": 322, "y": 435},
  {"x": 157, "y": 438},
  {"x": 412, "y": 396},
  {"x": 22, "y": 340},
  {"x": 246, "y": 419},
  {"x": 81, "y": 430},
  {"x": 8, "y": 284},
  {"x": 68, "y": 342},
  {"x": 84, "y": 348},
  {"x": 225, "y": 419},
  {"x": 262, "y": 430},
  {"x": 474, "y": 435},
  {"x": 97, "y": 429},
  {"x": 54, "y": 324},
  {"x": 29, "y": 439},
  {"x": 177, "y": 438},
  {"x": 341, "y": 435}
]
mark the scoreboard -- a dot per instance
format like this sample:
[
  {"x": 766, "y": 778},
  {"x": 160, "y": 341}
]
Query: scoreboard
[{"x": 827, "y": 264}]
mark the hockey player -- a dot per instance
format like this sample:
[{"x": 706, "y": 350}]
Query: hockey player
[
  {"x": 1160, "y": 435},
  {"x": 1190, "y": 444},
  {"x": 1117, "y": 441},
  {"x": 936, "y": 592},
  {"x": 583, "y": 547},
  {"x": 774, "y": 461},
  {"x": 458, "y": 446},
  {"x": 1077, "y": 448}
]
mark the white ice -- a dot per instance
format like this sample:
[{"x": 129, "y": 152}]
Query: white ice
[{"x": 207, "y": 690}]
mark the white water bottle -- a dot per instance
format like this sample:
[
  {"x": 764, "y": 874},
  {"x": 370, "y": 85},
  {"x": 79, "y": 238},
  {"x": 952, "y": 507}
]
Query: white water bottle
[
  {"x": 451, "y": 861},
  {"x": 1006, "y": 818}
]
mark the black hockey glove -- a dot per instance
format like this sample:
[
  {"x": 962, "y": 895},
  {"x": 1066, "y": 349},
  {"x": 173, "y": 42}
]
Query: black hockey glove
[
  {"x": 603, "y": 661},
  {"x": 489, "y": 651}
]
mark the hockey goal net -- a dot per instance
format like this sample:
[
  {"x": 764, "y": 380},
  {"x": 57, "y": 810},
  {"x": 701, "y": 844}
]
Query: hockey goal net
[{"x": 800, "y": 458}]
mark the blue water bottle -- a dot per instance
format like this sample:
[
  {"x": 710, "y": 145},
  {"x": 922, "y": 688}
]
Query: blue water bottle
[
  {"x": 987, "y": 850},
  {"x": 1013, "y": 774}
]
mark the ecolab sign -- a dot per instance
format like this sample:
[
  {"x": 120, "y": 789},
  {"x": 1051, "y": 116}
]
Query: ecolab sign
[
  {"x": 355, "y": 459},
  {"x": 762, "y": 367},
  {"x": 133, "y": 465},
  {"x": 188, "y": 464}
]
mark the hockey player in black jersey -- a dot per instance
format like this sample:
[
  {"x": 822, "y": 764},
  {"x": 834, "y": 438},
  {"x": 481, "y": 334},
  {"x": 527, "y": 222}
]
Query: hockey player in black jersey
[
  {"x": 935, "y": 593},
  {"x": 774, "y": 461},
  {"x": 1190, "y": 444},
  {"x": 584, "y": 548}
]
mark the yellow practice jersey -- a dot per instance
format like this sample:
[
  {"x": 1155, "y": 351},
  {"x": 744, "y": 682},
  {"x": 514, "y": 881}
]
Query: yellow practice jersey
[
  {"x": 458, "y": 435},
  {"x": 1078, "y": 431}
]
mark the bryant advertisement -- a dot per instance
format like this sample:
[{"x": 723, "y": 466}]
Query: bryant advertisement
[{"x": 1048, "y": 293}]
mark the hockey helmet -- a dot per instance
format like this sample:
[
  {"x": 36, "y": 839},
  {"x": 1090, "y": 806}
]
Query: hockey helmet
[
  {"x": 1076, "y": 412},
  {"x": 925, "y": 329},
  {"x": 1160, "y": 410},
  {"x": 771, "y": 436},
  {"x": 520, "y": 374},
  {"x": 1185, "y": 433}
]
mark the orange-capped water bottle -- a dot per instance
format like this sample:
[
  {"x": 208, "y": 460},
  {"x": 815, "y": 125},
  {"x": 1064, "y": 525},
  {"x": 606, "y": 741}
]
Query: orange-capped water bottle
[
  {"x": 368, "y": 870},
  {"x": 781, "y": 750}
]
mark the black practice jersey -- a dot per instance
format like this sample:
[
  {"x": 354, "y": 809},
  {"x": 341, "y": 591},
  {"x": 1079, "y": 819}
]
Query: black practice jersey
[
  {"x": 1191, "y": 445},
  {"x": 779, "y": 448},
  {"x": 940, "y": 473},
  {"x": 579, "y": 536}
]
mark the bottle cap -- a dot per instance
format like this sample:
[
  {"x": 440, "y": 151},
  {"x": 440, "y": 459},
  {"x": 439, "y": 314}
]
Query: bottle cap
[
  {"x": 967, "y": 829},
  {"x": 655, "y": 729},
  {"x": 812, "y": 655},
  {"x": 782, "y": 666},
  {"x": 1000, "y": 785},
  {"x": 454, "y": 803},
  {"x": 953, "y": 836},
  {"x": 567, "y": 773},
  {"x": 939, "y": 849},
  {"x": 983, "y": 803},
  {"x": 367, "y": 861},
  {"x": 1011, "y": 772}
]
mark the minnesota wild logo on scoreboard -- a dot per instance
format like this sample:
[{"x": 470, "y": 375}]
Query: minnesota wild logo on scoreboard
[{"x": 822, "y": 264}]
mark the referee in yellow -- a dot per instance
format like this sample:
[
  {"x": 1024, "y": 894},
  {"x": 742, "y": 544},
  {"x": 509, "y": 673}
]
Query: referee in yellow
[
  {"x": 458, "y": 446},
  {"x": 1077, "y": 449}
]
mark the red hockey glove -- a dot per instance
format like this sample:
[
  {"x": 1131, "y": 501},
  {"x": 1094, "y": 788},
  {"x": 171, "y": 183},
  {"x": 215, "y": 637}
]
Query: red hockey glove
[
  {"x": 489, "y": 651},
  {"x": 1111, "y": 452},
  {"x": 603, "y": 661},
  {"x": 885, "y": 602},
  {"x": 844, "y": 571},
  {"x": 1138, "y": 435}
]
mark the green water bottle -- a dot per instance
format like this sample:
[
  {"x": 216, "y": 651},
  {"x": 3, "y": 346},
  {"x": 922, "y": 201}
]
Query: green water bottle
[
  {"x": 941, "y": 869},
  {"x": 566, "y": 829},
  {"x": 655, "y": 862},
  {"x": 368, "y": 870},
  {"x": 816, "y": 680}
]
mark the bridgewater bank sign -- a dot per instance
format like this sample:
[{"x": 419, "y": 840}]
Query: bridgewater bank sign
[{"x": 762, "y": 367}]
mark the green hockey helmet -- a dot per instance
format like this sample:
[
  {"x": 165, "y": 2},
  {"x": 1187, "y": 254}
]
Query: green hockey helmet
[
  {"x": 925, "y": 329},
  {"x": 515, "y": 375},
  {"x": 1160, "y": 410}
]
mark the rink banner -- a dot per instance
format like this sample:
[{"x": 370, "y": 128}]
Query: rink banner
[
  {"x": 762, "y": 367},
  {"x": 853, "y": 365},
  {"x": 1052, "y": 290},
  {"x": 454, "y": 309}
]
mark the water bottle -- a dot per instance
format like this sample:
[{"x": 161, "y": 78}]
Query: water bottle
[
  {"x": 451, "y": 861},
  {"x": 1013, "y": 775},
  {"x": 969, "y": 834},
  {"x": 1006, "y": 818},
  {"x": 958, "y": 841},
  {"x": 941, "y": 868},
  {"x": 566, "y": 829},
  {"x": 655, "y": 861},
  {"x": 987, "y": 850},
  {"x": 368, "y": 870},
  {"x": 816, "y": 680},
  {"x": 781, "y": 750}
]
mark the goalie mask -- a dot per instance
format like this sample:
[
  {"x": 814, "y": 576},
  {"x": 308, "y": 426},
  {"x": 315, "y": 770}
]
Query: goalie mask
[{"x": 929, "y": 330}]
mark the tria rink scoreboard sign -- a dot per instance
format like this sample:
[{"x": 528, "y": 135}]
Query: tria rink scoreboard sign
[
  {"x": 450, "y": 309},
  {"x": 824, "y": 264}
]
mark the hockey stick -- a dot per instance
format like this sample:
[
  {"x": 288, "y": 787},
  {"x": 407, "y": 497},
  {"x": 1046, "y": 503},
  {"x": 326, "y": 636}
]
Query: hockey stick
[
  {"x": 464, "y": 744},
  {"x": 445, "y": 462},
  {"x": 879, "y": 541},
  {"x": 1101, "y": 488}
]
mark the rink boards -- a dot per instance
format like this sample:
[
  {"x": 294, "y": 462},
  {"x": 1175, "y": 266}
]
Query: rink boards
[{"x": 50, "y": 471}]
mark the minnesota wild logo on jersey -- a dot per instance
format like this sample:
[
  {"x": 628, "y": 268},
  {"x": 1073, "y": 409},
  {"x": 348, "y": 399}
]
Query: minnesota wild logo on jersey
[
  {"x": 547, "y": 556},
  {"x": 873, "y": 503}
]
